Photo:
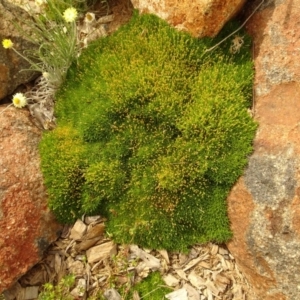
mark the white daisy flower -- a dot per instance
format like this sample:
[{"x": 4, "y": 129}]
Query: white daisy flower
[
  {"x": 70, "y": 14},
  {"x": 19, "y": 100}
]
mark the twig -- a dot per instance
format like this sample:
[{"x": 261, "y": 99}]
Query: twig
[
  {"x": 212, "y": 48},
  {"x": 253, "y": 88}
]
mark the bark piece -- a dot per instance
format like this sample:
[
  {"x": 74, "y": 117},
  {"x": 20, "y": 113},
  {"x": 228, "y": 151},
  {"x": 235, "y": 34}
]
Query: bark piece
[
  {"x": 100, "y": 252},
  {"x": 180, "y": 294},
  {"x": 86, "y": 244},
  {"x": 165, "y": 255},
  {"x": 170, "y": 280},
  {"x": 78, "y": 230},
  {"x": 76, "y": 268},
  {"x": 151, "y": 262},
  {"x": 112, "y": 294},
  {"x": 31, "y": 292},
  {"x": 92, "y": 219},
  {"x": 197, "y": 281},
  {"x": 181, "y": 274},
  {"x": 193, "y": 294},
  {"x": 94, "y": 231}
]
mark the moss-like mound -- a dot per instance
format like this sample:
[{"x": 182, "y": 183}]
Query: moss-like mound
[
  {"x": 150, "y": 288},
  {"x": 152, "y": 132}
]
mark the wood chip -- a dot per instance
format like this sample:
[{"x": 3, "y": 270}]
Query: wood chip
[
  {"x": 223, "y": 279},
  {"x": 183, "y": 258},
  {"x": 181, "y": 274},
  {"x": 92, "y": 219},
  {"x": 180, "y": 294},
  {"x": 211, "y": 286},
  {"x": 31, "y": 292},
  {"x": 99, "y": 252},
  {"x": 223, "y": 251},
  {"x": 94, "y": 231},
  {"x": 196, "y": 280},
  {"x": 205, "y": 264},
  {"x": 86, "y": 244},
  {"x": 152, "y": 262},
  {"x": 192, "y": 293},
  {"x": 76, "y": 267},
  {"x": 78, "y": 230},
  {"x": 209, "y": 295},
  {"x": 112, "y": 294},
  {"x": 142, "y": 269},
  {"x": 192, "y": 263},
  {"x": 165, "y": 255},
  {"x": 66, "y": 231},
  {"x": 214, "y": 249},
  {"x": 57, "y": 263},
  {"x": 136, "y": 296},
  {"x": 170, "y": 280}
]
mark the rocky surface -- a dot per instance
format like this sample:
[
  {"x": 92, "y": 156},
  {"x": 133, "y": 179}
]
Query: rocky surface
[
  {"x": 200, "y": 18},
  {"x": 27, "y": 227},
  {"x": 264, "y": 204},
  {"x": 11, "y": 63},
  {"x": 206, "y": 272}
]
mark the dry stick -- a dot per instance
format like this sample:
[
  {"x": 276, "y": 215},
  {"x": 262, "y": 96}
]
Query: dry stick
[
  {"x": 212, "y": 48},
  {"x": 253, "y": 90}
]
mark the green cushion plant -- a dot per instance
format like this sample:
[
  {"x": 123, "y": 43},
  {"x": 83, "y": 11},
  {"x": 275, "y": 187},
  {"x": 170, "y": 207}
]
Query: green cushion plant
[
  {"x": 153, "y": 131},
  {"x": 150, "y": 288}
]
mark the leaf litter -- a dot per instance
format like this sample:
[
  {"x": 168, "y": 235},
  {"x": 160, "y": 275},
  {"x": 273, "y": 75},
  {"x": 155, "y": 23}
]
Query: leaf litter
[{"x": 207, "y": 272}]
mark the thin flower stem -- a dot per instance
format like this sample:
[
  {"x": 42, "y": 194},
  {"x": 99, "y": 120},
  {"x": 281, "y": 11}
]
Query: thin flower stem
[
  {"x": 28, "y": 60},
  {"x": 227, "y": 37}
]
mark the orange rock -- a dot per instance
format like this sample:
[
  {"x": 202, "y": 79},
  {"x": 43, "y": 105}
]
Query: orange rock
[
  {"x": 11, "y": 63},
  {"x": 200, "y": 18},
  {"x": 263, "y": 206},
  {"x": 26, "y": 225}
]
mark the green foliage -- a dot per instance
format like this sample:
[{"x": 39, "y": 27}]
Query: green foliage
[
  {"x": 59, "y": 291},
  {"x": 65, "y": 179},
  {"x": 54, "y": 40},
  {"x": 150, "y": 288},
  {"x": 152, "y": 132}
]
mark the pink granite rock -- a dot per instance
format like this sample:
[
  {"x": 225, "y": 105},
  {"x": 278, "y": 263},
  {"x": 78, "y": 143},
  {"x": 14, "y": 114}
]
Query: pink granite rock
[
  {"x": 26, "y": 225},
  {"x": 198, "y": 17},
  {"x": 264, "y": 206}
]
